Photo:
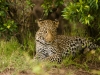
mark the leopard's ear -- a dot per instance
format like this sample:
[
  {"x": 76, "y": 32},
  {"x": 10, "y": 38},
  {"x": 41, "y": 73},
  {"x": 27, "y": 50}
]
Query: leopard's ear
[
  {"x": 39, "y": 22},
  {"x": 56, "y": 22}
]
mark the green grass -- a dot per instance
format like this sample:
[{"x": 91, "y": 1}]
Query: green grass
[
  {"x": 14, "y": 55},
  {"x": 19, "y": 57}
]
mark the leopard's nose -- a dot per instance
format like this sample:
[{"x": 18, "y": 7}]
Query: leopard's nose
[{"x": 49, "y": 38}]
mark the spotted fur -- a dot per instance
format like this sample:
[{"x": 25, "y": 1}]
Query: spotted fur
[{"x": 53, "y": 47}]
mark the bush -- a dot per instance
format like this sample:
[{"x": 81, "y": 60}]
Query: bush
[
  {"x": 87, "y": 13},
  {"x": 6, "y": 24},
  {"x": 49, "y": 5},
  {"x": 82, "y": 11}
]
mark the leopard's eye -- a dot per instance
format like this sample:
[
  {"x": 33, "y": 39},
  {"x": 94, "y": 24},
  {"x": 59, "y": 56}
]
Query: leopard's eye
[
  {"x": 42, "y": 22},
  {"x": 45, "y": 31}
]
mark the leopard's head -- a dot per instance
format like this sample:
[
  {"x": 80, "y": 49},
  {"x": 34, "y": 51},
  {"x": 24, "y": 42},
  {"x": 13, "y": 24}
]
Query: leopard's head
[{"x": 47, "y": 31}]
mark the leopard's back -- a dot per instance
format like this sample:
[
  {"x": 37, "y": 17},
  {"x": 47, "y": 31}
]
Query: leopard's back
[{"x": 71, "y": 45}]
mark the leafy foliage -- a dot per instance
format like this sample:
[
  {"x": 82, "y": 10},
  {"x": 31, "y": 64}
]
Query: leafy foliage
[
  {"x": 9, "y": 25},
  {"x": 84, "y": 11},
  {"x": 6, "y": 24},
  {"x": 48, "y": 5},
  {"x": 29, "y": 3}
]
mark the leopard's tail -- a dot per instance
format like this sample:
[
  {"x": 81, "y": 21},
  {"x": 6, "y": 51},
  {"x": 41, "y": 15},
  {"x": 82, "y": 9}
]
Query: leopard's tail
[{"x": 91, "y": 47}]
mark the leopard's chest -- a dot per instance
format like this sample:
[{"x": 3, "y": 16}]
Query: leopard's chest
[{"x": 47, "y": 50}]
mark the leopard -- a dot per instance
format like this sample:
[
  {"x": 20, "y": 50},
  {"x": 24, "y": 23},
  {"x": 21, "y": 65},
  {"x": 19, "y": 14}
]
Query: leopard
[{"x": 53, "y": 47}]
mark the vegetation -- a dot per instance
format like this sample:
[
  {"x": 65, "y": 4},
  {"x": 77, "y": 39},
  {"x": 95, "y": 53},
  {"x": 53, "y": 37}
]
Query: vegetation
[
  {"x": 85, "y": 12},
  {"x": 17, "y": 30},
  {"x": 82, "y": 11},
  {"x": 7, "y": 25},
  {"x": 16, "y": 59},
  {"x": 49, "y": 5}
]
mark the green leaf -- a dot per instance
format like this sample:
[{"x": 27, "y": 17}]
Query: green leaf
[
  {"x": 87, "y": 21},
  {"x": 96, "y": 1},
  {"x": 2, "y": 13}
]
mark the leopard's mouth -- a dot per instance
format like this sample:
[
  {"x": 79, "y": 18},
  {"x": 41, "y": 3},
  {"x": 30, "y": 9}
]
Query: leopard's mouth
[{"x": 45, "y": 43}]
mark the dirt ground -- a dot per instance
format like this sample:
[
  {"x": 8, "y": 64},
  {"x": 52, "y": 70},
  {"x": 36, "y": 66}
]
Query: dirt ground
[{"x": 70, "y": 70}]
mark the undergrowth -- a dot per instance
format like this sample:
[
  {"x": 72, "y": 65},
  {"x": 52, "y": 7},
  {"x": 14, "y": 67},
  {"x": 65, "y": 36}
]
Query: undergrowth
[{"x": 13, "y": 55}]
